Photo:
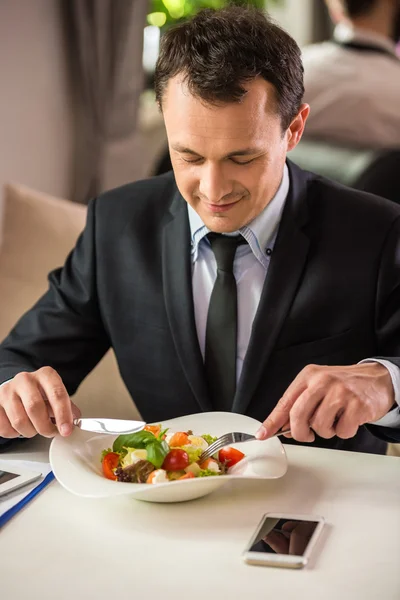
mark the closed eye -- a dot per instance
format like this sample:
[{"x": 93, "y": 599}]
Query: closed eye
[
  {"x": 246, "y": 162},
  {"x": 192, "y": 162},
  {"x": 236, "y": 162}
]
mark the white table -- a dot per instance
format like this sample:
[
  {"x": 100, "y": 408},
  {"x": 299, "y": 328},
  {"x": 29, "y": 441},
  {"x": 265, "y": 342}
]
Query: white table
[{"x": 63, "y": 547}]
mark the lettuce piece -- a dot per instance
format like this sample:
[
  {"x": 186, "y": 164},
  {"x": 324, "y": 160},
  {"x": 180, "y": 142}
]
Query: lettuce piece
[
  {"x": 193, "y": 453},
  {"x": 209, "y": 438},
  {"x": 206, "y": 473}
]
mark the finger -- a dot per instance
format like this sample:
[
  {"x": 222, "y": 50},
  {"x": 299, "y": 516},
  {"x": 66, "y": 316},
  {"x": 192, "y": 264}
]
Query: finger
[
  {"x": 277, "y": 541},
  {"x": 6, "y": 429},
  {"x": 289, "y": 526},
  {"x": 327, "y": 414},
  {"x": 284, "y": 428},
  {"x": 349, "y": 422},
  {"x": 36, "y": 407},
  {"x": 299, "y": 539},
  {"x": 57, "y": 396},
  {"x": 76, "y": 411},
  {"x": 281, "y": 413},
  {"x": 297, "y": 544},
  {"x": 18, "y": 418},
  {"x": 302, "y": 414}
]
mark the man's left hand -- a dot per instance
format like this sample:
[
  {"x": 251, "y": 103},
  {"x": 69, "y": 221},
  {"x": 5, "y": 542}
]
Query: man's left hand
[{"x": 331, "y": 401}]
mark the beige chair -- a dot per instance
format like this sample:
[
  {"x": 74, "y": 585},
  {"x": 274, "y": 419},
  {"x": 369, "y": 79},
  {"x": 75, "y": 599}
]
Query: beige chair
[{"x": 38, "y": 233}]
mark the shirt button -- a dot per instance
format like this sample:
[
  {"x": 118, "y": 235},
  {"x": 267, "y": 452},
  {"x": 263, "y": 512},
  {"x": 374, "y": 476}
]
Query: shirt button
[{"x": 268, "y": 251}]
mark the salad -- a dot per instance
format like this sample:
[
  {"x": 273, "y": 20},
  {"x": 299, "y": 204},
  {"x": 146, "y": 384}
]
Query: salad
[{"x": 156, "y": 455}]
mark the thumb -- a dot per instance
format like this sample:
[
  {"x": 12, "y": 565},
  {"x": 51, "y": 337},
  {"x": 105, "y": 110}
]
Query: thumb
[
  {"x": 278, "y": 419},
  {"x": 280, "y": 416}
]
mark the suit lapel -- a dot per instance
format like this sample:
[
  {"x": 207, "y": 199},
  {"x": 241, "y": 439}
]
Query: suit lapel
[
  {"x": 281, "y": 284},
  {"x": 178, "y": 294}
]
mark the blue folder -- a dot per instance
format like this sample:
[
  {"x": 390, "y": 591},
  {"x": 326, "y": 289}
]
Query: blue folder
[{"x": 20, "y": 505}]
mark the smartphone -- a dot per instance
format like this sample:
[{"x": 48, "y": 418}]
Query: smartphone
[
  {"x": 12, "y": 478},
  {"x": 284, "y": 540}
]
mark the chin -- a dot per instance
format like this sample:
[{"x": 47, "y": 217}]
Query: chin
[{"x": 219, "y": 226}]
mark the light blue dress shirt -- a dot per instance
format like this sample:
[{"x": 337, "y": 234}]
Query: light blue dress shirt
[{"x": 250, "y": 269}]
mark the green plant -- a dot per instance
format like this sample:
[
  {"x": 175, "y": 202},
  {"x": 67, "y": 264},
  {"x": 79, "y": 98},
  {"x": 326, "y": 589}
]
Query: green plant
[{"x": 167, "y": 12}]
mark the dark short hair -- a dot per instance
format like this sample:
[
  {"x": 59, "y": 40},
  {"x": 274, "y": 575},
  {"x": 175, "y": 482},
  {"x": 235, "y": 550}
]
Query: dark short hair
[
  {"x": 218, "y": 51},
  {"x": 357, "y": 8}
]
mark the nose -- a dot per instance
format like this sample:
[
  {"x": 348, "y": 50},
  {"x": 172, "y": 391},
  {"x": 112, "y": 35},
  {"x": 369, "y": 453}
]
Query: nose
[{"x": 214, "y": 183}]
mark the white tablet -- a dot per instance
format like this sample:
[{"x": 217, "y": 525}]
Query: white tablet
[{"x": 12, "y": 477}]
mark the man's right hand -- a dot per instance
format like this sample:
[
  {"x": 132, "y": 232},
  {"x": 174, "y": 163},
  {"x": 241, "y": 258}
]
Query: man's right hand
[{"x": 29, "y": 400}]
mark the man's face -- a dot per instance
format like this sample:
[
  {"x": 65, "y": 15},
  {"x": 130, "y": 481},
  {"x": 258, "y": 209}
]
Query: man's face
[{"x": 228, "y": 160}]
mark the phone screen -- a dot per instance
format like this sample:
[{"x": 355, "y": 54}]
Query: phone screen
[
  {"x": 6, "y": 476},
  {"x": 284, "y": 536}
]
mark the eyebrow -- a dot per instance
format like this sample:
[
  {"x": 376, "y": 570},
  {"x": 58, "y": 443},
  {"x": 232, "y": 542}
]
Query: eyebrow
[{"x": 243, "y": 152}]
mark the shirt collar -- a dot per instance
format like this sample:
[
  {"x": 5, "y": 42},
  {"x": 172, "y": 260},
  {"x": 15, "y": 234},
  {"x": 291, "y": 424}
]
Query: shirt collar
[
  {"x": 347, "y": 33},
  {"x": 259, "y": 233}
]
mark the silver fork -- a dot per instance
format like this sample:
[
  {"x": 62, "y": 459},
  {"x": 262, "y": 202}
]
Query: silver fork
[{"x": 235, "y": 437}]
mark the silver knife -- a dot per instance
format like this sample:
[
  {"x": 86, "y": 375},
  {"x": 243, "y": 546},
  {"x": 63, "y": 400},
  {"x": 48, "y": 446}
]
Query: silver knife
[{"x": 111, "y": 426}]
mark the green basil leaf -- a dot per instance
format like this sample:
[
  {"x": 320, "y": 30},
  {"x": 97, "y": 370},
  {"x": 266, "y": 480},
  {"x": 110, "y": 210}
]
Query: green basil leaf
[
  {"x": 156, "y": 453},
  {"x": 165, "y": 447},
  {"x": 137, "y": 440},
  {"x": 162, "y": 433}
]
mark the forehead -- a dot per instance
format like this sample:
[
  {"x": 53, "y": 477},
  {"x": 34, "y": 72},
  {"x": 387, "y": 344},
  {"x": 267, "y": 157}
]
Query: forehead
[{"x": 192, "y": 121}]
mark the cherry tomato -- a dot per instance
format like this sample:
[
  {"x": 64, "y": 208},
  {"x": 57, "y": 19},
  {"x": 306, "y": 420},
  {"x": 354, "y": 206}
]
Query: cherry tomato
[
  {"x": 189, "y": 475},
  {"x": 179, "y": 439},
  {"x": 230, "y": 456},
  {"x": 176, "y": 460},
  {"x": 155, "y": 429},
  {"x": 109, "y": 463}
]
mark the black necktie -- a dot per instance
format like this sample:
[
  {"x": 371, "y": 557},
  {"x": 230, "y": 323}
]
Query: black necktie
[{"x": 221, "y": 330}]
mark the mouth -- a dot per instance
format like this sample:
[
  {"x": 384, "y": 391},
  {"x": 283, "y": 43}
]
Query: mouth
[{"x": 221, "y": 208}]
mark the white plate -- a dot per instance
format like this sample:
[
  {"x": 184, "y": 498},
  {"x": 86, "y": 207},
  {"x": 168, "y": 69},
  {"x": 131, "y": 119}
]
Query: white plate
[{"x": 75, "y": 461}]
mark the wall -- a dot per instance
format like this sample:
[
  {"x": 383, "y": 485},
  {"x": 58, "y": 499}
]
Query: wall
[
  {"x": 36, "y": 120},
  {"x": 296, "y": 16}
]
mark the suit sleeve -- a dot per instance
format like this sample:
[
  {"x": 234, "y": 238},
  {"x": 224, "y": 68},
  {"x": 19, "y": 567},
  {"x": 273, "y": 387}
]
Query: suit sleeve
[
  {"x": 64, "y": 329},
  {"x": 387, "y": 314}
]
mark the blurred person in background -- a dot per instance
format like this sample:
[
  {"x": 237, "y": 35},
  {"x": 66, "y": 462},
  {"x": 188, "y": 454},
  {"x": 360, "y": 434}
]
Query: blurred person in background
[{"x": 352, "y": 82}]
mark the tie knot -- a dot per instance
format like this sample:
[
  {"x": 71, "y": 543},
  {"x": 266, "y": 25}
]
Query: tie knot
[{"x": 224, "y": 248}]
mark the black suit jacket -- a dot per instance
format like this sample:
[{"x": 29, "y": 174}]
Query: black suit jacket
[{"x": 332, "y": 296}]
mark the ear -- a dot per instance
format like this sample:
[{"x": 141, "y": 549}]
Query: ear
[{"x": 296, "y": 127}]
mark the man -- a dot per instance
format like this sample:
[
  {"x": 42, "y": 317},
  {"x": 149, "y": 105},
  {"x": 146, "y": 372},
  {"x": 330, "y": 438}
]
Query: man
[
  {"x": 305, "y": 271},
  {"x": 352, "y": 82}
]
